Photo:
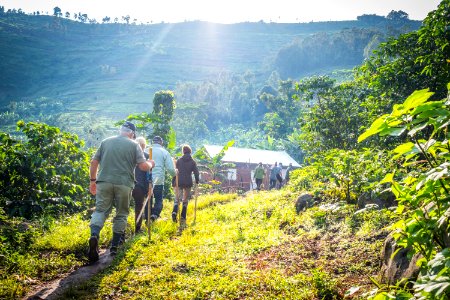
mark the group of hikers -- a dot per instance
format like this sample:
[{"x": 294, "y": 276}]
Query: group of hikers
[
  {"x": 275, "y": 175},
  {"x": 121, "y": 169}
]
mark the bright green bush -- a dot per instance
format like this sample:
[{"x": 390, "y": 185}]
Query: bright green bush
[
  {"x": 43, "y": 175},
  {"x": 422, "y": 187}
]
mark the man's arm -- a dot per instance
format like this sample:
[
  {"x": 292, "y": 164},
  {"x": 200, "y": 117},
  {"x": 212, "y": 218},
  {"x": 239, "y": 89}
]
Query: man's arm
[
  {"x": 146, "y": 166},
  {"x": 93, "y": 176}
]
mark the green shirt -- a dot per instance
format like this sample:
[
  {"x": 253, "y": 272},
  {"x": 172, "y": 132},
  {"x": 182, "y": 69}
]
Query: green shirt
[
  {"x": 118, "y": 156},
  {"x": 259, "y": 173}
]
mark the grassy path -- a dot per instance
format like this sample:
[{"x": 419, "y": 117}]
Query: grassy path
[{"x": 245, "y": 248}]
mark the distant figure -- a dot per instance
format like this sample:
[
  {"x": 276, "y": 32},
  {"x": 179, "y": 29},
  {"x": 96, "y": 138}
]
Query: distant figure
[
  {"x": 186, "y": 166},
  {"x": 117, "y": 157},
  {"x": 141, "y": 188},
  {"x": 288, "y": 173},
  {"x": 279, "y": 175},
  {"x": 258, "y": 175},
  {"x": 273, "y": 176},
  {"x": 163, "y": 163}
]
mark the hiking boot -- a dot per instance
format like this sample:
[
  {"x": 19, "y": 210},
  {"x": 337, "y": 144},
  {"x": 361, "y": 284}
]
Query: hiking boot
[
  {"x": 122, "y": 240},
  {"x": 174, "y": 217},
  {"x": 93, "y": 249},
  {"x": 153, "y": 218},
  {"x": 113, "y": 250}
]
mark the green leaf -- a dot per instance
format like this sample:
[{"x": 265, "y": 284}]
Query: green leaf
[
  {"x": 377, "y": 126},
  {"x": 404, "y": 148},
  {"x": 388, "y": 178},
  {"x": 417, "y": 98}
]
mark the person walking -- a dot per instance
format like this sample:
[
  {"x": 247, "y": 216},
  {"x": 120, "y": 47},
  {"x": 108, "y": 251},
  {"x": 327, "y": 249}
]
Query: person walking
[
  {"x": 258, "y": 175},
  {"x": 280, "y": 175},
  {"x": 115, "y": 161},
  {"x": 288, "y": 173},
  {"x": 273, "y": 176},
  {"x": 186, "y": 166},
  {"x": 141, "y": 188},
  {"x": 163, "y": 163}
]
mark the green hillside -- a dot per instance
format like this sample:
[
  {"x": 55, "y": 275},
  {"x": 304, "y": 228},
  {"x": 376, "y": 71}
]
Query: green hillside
[{"x": 108, "y": 67}]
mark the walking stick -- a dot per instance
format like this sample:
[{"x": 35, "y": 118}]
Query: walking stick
[
  {"x": 177, "y": 196},
  {"x": 195, "y": 202},
  {"x": 150, "y": 197}
]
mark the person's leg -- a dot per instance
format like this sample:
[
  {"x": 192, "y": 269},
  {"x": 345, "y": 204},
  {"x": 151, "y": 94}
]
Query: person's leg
[
  {"x": 186, "y": 195},
  {"x": 258, "y": 183},
  {"x": 122, "y": 197},
  {"x": 176, "y": 203},
  {"x": 139, "y": 197},
  {"x": 103, "y": 206},
  {"x": 158, "y": 196}
]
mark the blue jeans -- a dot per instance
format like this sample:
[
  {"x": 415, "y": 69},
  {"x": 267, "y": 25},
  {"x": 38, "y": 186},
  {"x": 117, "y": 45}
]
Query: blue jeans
[{"x": 158, "y": 200}]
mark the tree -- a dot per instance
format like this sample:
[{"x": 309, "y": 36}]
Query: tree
[
  {"x": 415, "y": 60},
  {"x": 399, "y": 15},
  {"x": 106, "y": 19},
  {"x": 214, "y": 164},
  {"x": 334, "y": 118},
  {"x": 126, "y": 18},
  {"x": 57, "y": 11}
]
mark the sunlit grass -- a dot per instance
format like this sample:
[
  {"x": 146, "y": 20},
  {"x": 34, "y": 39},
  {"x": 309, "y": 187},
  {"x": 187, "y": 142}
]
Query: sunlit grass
[{"x": 241, "y": 247}]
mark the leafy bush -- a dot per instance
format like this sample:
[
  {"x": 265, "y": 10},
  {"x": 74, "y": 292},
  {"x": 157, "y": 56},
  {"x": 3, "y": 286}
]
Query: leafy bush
[
  {"x": 339, "y": 174},
  {"x": 422, "y": 187},
  {"x": 43, "y": 175}
]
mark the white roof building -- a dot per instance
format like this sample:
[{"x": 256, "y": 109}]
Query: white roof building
[{"x": 252, "y": 156}]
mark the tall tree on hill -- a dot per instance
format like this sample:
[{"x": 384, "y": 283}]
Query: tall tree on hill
[
  {"x": 57, "y": 11},
  {"x": 163, "y": 108},
  {"x": 399, "y": 15},
  {"x": 416, "y": 60}
]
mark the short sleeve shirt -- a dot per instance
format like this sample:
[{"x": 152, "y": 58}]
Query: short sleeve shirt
[{"x": 118, "y": 157}]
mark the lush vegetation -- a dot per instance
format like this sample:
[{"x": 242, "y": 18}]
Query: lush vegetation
[
  {"x": 380, "y": 134},
  {"x": 250, "y": 247}
]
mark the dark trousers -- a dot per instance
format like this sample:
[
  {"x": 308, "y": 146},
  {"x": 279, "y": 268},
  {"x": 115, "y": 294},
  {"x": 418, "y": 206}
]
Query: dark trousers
[
  {"x": 158, "y": 200},
  {"x": 139, "y": 195},
  {"x": 272, "y": 183},
  {"x": 258, "y": 183},
  {"x": 280, "y": 181}
]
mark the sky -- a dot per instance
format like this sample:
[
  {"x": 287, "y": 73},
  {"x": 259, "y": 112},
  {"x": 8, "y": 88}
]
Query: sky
[{"x": 228, "y": 11}]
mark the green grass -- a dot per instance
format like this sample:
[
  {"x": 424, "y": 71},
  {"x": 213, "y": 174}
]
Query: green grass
[{"x": 250, "y": 248}]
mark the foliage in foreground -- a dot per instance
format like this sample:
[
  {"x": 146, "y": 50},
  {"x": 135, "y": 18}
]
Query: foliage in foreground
[
  {"x": 44, "y": 174},
  {"x": 422, "y": 186}
]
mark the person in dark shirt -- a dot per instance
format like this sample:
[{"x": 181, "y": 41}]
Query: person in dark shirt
[
  {"x": 141, "y": 188},
  {"x": 186, "y": 166}
]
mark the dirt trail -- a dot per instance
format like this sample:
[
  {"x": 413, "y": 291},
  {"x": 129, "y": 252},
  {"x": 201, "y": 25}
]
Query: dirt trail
[{"x": 56, "y": 288}]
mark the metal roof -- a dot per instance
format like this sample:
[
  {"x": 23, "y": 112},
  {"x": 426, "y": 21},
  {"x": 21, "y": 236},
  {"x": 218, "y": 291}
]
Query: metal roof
[{"x": 252, "y": 156}]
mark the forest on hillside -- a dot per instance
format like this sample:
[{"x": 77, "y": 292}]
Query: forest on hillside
[
  {"x": 377, "y": 135},
  {"x": 66, "y": 69}
]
